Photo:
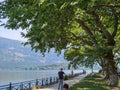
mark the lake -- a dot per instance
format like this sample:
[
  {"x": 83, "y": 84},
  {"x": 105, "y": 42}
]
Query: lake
[{"x": 7, "y": 76}]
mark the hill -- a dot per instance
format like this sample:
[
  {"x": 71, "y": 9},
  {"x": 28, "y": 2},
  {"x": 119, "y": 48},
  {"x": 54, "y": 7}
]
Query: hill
[{"x": 14, "y": 55}]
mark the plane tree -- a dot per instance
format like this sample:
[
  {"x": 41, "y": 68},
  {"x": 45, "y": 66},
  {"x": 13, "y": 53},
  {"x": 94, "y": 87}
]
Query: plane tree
[{"x": 86, "y": 29}]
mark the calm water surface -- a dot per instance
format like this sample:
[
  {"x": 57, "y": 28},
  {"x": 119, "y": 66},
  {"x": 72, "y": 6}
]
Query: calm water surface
[{"x": 18, "y": 76}]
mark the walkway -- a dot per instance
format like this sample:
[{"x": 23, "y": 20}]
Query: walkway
[{"x": 70, "y": 82}]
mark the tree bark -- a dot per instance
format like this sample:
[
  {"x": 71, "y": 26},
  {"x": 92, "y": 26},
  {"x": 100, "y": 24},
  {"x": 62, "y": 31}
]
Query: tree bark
[{"x": 112, "y": 69}]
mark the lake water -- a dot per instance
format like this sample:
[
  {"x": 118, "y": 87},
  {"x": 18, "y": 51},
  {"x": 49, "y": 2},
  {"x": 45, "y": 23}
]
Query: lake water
[{"x": 18, "y": 76}]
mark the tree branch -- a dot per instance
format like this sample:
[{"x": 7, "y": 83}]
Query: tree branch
[
  {"x": 84, "y": 26},
  {"x": 103, "y": 31},
  {"x": 83, "y": 39},
  {"x": 115, "y": 23}
]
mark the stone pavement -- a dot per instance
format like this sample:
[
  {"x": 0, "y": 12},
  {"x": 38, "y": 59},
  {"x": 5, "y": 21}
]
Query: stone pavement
[{"x": 70, "y": 82}]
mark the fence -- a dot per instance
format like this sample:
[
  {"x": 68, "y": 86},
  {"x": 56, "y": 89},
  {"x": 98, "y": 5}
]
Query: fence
[{"x": 27, "y": 85}]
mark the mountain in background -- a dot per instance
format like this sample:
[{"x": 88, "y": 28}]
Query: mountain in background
[{"x": 13, "y": 55}]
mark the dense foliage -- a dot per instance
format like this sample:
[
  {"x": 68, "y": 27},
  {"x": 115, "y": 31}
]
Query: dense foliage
[{"x": 88, "y": 30}]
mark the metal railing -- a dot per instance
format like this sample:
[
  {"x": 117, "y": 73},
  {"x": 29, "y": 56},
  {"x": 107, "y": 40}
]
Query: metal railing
[{"x": 28, "y": 85}]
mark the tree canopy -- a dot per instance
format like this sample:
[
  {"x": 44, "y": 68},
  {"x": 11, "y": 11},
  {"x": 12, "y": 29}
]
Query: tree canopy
[
  {"x": 88, "y": 30},
  {"x": 74, "y": 24}
]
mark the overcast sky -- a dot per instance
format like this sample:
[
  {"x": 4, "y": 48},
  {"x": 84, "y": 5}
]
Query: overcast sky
[{"x": 11, "y": 34}]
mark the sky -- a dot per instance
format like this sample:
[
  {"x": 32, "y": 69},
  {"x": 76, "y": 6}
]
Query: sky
[{"x": 11, "y": 34}]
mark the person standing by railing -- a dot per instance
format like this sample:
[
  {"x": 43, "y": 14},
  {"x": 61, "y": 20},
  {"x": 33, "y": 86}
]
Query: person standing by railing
[{"x": 61, "y": 78}]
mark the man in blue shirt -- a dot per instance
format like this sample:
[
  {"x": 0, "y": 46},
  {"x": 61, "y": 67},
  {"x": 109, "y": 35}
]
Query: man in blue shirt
[{"x": 60, "y": 79}]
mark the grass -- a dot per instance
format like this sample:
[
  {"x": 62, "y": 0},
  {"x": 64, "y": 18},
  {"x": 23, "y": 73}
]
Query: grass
[{"x": 97, "y": 83}]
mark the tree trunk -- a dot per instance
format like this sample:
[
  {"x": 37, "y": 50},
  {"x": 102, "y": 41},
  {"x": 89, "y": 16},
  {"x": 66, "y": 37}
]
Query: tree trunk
[
  {"x": 112, "y": 69},
  {"x": 113, "y": 79}
]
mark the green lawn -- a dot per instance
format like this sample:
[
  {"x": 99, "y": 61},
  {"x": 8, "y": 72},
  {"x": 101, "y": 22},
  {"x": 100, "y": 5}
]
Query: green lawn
[{"x": 91, "y": 84}]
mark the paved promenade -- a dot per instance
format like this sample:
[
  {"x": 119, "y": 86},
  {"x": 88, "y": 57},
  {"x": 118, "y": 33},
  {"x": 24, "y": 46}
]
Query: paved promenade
[{"x": 70, "y": 82}]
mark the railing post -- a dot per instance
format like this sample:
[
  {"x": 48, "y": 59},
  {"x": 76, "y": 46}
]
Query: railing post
[
  {"x": 10, "y": 86},
  {"x": 50, "y": 80},
  {"x": 46, "y": 81},
  {"x": 29, "y": 85},
  {"x": 42, "y": 82},
  {"x": 56, "y": 80},
  {"x": 37, "y": 86},
  {"x": 21, "y": 86}
]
